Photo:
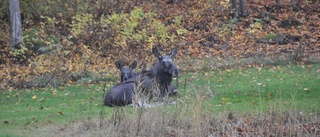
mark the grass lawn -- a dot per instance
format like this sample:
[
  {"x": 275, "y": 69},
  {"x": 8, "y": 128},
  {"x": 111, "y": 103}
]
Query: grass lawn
[
  {"x": 243, "y": 92},
  {"x": 296, "y": 87}
]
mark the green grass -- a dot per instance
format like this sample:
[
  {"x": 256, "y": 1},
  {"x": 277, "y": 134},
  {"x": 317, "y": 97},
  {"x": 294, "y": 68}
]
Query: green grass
[
  {"x": 241, "y": 91},
  {"x": 36, "y": 108},
  {"x": 295, "y": 86}
]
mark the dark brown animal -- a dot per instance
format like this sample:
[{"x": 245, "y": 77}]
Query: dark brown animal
[{"x": 159, "y": 77}]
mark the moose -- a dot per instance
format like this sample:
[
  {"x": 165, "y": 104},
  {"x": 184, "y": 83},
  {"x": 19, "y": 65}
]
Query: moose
[
  {"x": 158, "y": 77},
  {"x": 126, "y": 72}
]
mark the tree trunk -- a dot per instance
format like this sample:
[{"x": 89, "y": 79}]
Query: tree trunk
[
  {"x": 15, "y": 24},
  {"x": 234, "y": 8},
  {"x": 242, "y": 8}
]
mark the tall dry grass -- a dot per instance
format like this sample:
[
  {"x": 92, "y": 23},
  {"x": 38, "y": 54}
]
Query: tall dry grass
[{"x": 195, "y": 116}]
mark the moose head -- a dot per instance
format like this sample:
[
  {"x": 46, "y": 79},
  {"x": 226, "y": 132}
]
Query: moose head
[
  {"x": 126, "y": 72},
  {"x": 165, "y": 63}
]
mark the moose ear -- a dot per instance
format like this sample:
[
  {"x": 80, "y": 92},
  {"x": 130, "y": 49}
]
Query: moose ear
[
  {"x": 133, "y": 65},
  {"x": 118, "y": 64},
  {"x": 155, "y": 52},
  {"x": 173, "y": 52}
]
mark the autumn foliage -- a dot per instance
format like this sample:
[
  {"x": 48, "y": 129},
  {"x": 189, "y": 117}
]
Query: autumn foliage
[{"x": 67, "y": 41}]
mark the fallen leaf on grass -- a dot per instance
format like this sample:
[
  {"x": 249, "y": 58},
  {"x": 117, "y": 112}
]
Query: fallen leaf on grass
[
  {"x": 220, "y": 80},
  {"x": 54, "y": 92},
  {"x": 240, "y": 129},
  {"x": 224, "y": 99}
]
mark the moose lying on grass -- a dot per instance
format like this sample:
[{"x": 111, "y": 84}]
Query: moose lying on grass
[
  {"x": 126, "y": 72},
  {"x": 158, "y": 78}
]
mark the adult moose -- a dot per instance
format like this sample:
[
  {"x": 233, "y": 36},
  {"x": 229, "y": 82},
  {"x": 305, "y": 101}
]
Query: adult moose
[{"x": 159, "y": 77}]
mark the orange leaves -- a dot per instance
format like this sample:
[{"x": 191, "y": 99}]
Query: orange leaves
[{"x": 194, "y": 51}]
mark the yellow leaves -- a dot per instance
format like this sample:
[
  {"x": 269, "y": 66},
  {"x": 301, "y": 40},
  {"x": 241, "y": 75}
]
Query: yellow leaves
[
  {"x": 177, "y": 20},
  {"x": 225, "y": 3},
  {"x": 80, "y": 22},
  {"x": 255, "y": 27},
  {"x": 49, "y": 19},
  {"x": 136, "y": 14},
  {"x": 151, "y": 40},
  {"x": 112, "y": 19},
  {"x": 20, "y": 53},
  {"x": 224, "y": 99},
  {"x": 34, "y": 97},
  {"x": 181, "y": 31},
  {"x": 41, "y": 68},
  {"x": 220, "y": 80}
]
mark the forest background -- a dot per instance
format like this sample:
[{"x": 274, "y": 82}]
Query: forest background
[{"x": 69, "y": 42}]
